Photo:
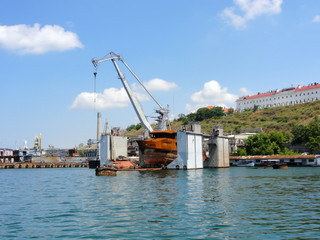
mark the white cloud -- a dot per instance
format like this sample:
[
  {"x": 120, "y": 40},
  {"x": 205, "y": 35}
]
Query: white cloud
[
  {"x": 211, "y": 94},
  {"x": 157, "y": 84},
  {"x": 234, "y": 19},
  {"x": 251, "y": 9},
  {"x": 110, "y": 98},
  {"x": 118, "y": 98},
  {"x": 245, "y": 92},
  {"x": 316, "y": 18},
  {"x": 34, "y": 39}
]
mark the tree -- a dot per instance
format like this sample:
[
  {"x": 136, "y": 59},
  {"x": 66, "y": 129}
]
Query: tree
[
  {"x": 286, "y": 151},
  {"x": 280, "y": 138},
  {"x": 138, "y": 126},
  {"x": 230, "y": 111},
  {"x": 182, "y": 118},
  {"x": 202, "y": 114},
  {"x": 241, "y": 152},
  {"x": 217, "y": 112},
  {"x": 314, "y": 143},
  {"x": 299, "y": 133},
  {"x": 259, "y": 144},
  {"x": 205, "y": 113},
  {"x": 81, "y": 153},
  {"x": 308, "y": 135},
  {"x": 313, "y": 134},
  {"x": 90, "y": 142},
  {"x": 131, "y": 127},
  {"x": 191, "y": 117},
  {"x": 266, "y": 144}
]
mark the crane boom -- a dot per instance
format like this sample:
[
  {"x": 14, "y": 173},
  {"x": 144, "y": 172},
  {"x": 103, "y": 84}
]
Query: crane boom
[
  {"x": 136, "y": 105},
  {"x": 162, "y": 119}
]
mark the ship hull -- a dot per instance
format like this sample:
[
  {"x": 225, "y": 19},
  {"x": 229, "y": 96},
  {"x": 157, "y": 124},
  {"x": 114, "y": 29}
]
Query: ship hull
[
  {"x": 160, "y": 150},
  {"x": 158, "y": 156}
]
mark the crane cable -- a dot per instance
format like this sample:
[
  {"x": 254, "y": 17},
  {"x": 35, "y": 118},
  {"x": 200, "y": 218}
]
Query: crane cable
[{"x": 95, "y": 86}]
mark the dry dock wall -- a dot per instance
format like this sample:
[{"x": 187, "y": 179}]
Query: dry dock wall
[
  {"x": 218, "y": 153},
  {"x": 189, "y": 151},
  {"x": 111, "y": 147}
]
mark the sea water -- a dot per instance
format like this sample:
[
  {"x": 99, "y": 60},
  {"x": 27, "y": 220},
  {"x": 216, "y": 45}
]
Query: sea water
[{"x": 231, "y": 203}]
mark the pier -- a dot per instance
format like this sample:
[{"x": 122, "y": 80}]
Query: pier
[{"x": 43, "y": 165}]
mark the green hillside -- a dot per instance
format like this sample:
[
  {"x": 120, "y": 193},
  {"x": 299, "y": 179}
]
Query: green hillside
[{"x": 269, "y": 119}]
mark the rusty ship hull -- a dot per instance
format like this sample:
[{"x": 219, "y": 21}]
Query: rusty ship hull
[{"x": 160, "y": 149}]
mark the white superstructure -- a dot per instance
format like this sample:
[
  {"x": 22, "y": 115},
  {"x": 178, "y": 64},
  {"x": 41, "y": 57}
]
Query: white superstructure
[{"x": 284, "y": 97}]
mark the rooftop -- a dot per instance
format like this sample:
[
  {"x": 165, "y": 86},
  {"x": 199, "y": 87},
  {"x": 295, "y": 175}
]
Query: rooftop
[
  {"x": 297, "y": 89},
  {"x": 223, "y": 108}
]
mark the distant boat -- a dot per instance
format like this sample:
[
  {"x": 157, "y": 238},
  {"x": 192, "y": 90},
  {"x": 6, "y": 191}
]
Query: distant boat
[
  {"x": 268, "y": 163},
  {"x": 249, "y": 163},
  {"x": 280, "y": 166},
  {"x": 106, "y": 171}
]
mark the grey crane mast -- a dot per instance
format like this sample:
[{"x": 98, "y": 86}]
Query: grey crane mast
[{"x": 162, "y": 119}]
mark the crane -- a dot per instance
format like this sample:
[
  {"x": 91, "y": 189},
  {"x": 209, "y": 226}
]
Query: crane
[{"x": 162, "y": 112}]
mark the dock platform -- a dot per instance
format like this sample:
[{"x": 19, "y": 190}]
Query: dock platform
[{"x": 43, "y": 165}]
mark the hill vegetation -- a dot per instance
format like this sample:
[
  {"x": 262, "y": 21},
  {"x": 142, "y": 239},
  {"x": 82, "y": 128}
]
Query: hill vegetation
[
  {"x": 298, "y": 124},
  {"x": 269, "y": 119}
]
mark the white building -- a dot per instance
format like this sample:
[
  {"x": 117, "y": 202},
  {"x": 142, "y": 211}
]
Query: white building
[
  {"x": 237, "y": 141},
  {"x": 6, "y": 155},
  {"x": 284, "y": 97}
]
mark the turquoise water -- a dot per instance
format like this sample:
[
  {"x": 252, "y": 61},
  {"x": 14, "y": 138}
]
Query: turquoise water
[{"x": 235, "y": 203}]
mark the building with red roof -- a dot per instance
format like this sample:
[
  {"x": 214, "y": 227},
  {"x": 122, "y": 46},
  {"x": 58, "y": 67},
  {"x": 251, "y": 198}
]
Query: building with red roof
[
  {"x": 284, "y": 97},
  {"x": 223, "y": 108}
]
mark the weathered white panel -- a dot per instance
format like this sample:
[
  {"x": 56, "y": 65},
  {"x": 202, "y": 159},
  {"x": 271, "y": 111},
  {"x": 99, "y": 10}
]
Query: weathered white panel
[
  {"x": 104, "y": 149},
  {"x": 198, "y": 151},
  {"x": 191, "y": 159},
  {"x": 119, "y": 146},
  {"x": 182, "y": 148},
  {"x": 189, "y": 151},
  {"x": 218, "y": 153}
]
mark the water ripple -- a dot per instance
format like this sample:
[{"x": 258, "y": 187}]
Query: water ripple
[{"x": 235, "y": 203}]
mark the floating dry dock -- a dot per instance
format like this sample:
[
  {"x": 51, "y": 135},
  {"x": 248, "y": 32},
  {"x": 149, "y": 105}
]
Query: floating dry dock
[{"x": 43, "y": 165}]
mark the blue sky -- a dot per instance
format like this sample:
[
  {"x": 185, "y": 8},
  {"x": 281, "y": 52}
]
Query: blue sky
[{"x": 190, "y": 54}]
